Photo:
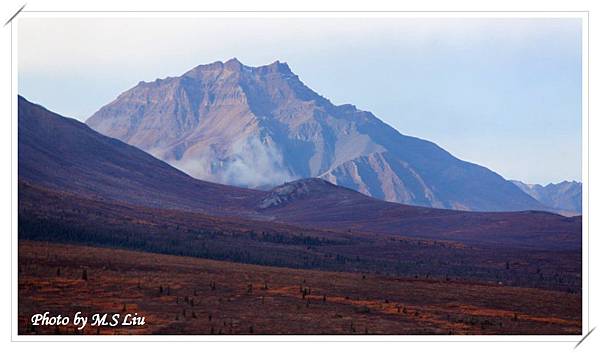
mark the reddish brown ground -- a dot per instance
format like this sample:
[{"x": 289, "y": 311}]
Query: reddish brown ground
[{"x": 268, "y": 300}]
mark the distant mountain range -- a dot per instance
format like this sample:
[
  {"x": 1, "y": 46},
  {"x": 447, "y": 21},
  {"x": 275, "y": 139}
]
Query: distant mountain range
[
  {"x": 564, "y": 196},
  {"x": 63, "y": 159},
  {"x": 261, "y": 126}
]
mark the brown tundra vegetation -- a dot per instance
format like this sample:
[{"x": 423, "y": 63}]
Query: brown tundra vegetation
[{"x": 184, "y": 295}]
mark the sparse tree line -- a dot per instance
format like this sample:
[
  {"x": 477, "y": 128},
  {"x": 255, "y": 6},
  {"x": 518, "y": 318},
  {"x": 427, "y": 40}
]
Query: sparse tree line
[{"x": 301, "y": 251}]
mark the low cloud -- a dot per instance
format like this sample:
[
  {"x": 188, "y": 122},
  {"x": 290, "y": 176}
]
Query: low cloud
[{"x": 250, "y": 162}]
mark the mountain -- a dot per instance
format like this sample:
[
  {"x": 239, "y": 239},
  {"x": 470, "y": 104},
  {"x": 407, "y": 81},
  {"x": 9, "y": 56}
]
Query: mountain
[
  {"x": 67, "y": 168},
  {"x": 565, "y": 196},
  {"x": 261, "y": 126},
  {"x": 66, "y": 155}
]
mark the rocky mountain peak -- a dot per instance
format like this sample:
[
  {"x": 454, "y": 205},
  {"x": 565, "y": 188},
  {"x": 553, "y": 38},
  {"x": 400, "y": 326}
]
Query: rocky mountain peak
[
  {"x": 276, "y": 67},
  {"x": 262, "y": 126},
  {"x": 233, "y": 64}
]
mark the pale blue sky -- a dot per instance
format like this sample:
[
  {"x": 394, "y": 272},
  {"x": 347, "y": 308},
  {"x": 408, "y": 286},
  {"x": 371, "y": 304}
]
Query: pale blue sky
[{"x": 503, "y": 93}]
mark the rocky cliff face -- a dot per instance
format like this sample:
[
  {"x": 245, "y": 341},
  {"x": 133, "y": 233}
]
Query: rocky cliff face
[{"x": 261, "y": 126}]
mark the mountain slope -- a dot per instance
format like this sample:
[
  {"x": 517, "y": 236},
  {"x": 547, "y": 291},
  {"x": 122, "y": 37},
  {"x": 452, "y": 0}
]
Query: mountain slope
[
  {"x": 66, "y": 155},
  {"x": 63, "y": 157},
  {"x": 261, "y": 126},
  {"x": 565, "y": 195},
  {"x": 317, "y": 203}
]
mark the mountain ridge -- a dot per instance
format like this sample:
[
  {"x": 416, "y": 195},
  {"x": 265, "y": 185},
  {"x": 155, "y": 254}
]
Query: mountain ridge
[
  {"x": 66, "y": 157},
  {"x": 259, "y": 127},
  {"x": 562, "y": 196}
]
